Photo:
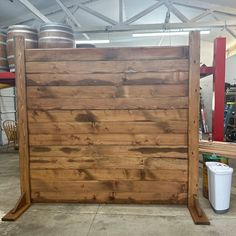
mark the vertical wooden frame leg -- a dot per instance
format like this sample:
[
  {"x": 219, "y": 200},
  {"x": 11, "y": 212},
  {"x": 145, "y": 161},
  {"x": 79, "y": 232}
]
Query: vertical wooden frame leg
[
  {"x": 25, "y": 200},
  {"x": 197, "y": 213}
]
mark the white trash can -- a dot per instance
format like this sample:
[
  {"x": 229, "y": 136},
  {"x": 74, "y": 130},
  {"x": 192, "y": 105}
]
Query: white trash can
[{"x": 219, "y": 185}]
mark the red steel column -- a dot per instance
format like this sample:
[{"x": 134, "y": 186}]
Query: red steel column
[{"x": 218, "y": 89}]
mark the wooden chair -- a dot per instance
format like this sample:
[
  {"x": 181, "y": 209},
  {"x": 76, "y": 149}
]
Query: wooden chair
[{"x": 10, "y": 128}]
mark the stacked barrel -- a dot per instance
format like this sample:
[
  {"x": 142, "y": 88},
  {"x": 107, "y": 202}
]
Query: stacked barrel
[
  {"x": 56, "y": 35},
  {"x": 31, "y": 41},
  {"x": 51, "y": 35},
  {"x": 3, "y": 52}
]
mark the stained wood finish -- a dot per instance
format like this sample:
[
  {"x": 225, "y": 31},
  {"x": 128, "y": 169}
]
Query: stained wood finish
[
  {"x": 220, "y": 148},
  {"x": 193, "y": 128},
  {"x": 109, "y": 151},
  {"x": 25, "y": 199},
  {"x": 109, "y": 139},
  {"x": 107, "y": 79},
  {"x": 105, "y": 174},
  {"x": 100, "y": 54},
  {"x": 145, "y": 91},
  {"x": 110, "y": 115},
  {"x": 54, "y": 116},
  {"x": 114, "y": 125},
  {"x": 108, "y": 103},
  {"x": 78, "y": 67},
  {"x": 21, "y": 206},
  {"x": 112, "y": 197},
  {"x": 110, "y": 191},
  {"x": 109, "y": 127},
  {"x": 113, "y": 186},
  {"x": 111, "y": 162},
  {"x": 22, "y": 117}
]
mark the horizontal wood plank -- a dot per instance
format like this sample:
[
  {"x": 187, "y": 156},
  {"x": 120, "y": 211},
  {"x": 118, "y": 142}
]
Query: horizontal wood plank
[
  {"x": 111, "y": 197},
  {"x": 116, "y": 54},
  {"x": 109, "y": 151},
  {"x": 108, "y": 127},
  {"x": 103, "y": 162},
  {"x": 108, "y": 139},
  {"x": 108, "y": 79},
  {"x": 144, "y": 91},
  {"x": 107, "y": 115},
  {"x": 108, "y": 103},
  {"x": 109, "y": 186},
  {"x": 66, "y": 67},
  {"x": 108, "y": 174},
  {"x": 226, "y": 149}
]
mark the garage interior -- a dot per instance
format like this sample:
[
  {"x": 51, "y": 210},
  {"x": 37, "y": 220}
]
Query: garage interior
[{"x": 102, "y": 106}]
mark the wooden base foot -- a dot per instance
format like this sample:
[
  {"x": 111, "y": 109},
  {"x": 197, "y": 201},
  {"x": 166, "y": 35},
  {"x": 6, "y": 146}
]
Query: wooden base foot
[
  {"x": 198, "y": 215},
  {"x": 18, "y": 210}
]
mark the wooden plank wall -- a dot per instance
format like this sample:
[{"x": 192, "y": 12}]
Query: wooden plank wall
[{"x": 108, "y": 125}]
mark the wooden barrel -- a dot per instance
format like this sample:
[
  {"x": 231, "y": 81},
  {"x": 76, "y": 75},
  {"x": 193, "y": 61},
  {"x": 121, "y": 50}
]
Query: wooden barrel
[
  {"x": 3, "y": 52},
  {"x": 56, "y": 35},
  {"x": 31, "y": 41}
]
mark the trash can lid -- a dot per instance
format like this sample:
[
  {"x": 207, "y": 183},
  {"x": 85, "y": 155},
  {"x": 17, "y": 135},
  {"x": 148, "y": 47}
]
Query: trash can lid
[{"x": 219, "y": 168}]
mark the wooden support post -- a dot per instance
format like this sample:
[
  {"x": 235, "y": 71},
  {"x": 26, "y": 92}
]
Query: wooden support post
[
  {"x": 197, "y": 213},
  {"x": 25, "y": 199}
]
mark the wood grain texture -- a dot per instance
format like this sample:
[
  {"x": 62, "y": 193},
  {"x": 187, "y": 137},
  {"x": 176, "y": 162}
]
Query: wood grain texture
[
  {"x": 24, "y": 201},
  {"x": 107, "y": 174},
  {"x": 108, "y": 79},
  {"x": 22, "y": 118},
  {"x": 108, "y": 103},
  {"x": 193, "y": 123},
  {"x": 108, "y": 139},
  {"x": 219, "y": 148},
  {"x": 116, "y": 54},
  {"x": 144, "y": 91},
  {"x": 112, "y": 125},
  {"x": 165, "y": 187},
  {"x": 112, "y": 162},
  {"x": 110, "y": 191},
  {"x": 111, "y": 197},
  {"x": 117, "y": 151},
  {"x": 177, "y": 127},
  {"x": 66, "y": 67},
  {"x": 93, "y": 116}
]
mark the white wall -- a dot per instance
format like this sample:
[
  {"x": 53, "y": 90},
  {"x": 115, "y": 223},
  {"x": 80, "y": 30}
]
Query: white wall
[
  {"x": 7, "y": 110},
  {"x": 206, "y": 83}
]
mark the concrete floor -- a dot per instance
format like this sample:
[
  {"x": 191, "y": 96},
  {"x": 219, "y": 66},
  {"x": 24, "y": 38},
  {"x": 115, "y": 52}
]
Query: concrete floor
[{"x": 99, "y": 219}]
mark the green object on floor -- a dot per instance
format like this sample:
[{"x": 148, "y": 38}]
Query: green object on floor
[{"x": 213, "y": 157}]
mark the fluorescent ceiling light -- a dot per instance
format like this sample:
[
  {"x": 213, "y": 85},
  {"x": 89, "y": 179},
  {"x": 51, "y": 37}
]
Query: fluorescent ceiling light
[
  {"x": 168, "y": 33},
  {"x": 92, "y": 41}
]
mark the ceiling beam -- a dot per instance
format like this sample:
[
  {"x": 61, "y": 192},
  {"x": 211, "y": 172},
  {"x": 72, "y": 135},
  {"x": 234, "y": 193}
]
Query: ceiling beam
[
  {"x": 205, "y": 6},
  {"x": 153, "y": 27},
  {"x": 121, "y": 11},
  {"x": 200, "y": 16},
  {"x": 97, "y": 14},
  {"x": 71, "y": 16},
  {"x": 144, "y": 12},
  {"x": 230, "y": 32},
  {"x": 46, "y": 12},
  {"x": 34, "y": 10},
  {"x": 176, "y": 12}
]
